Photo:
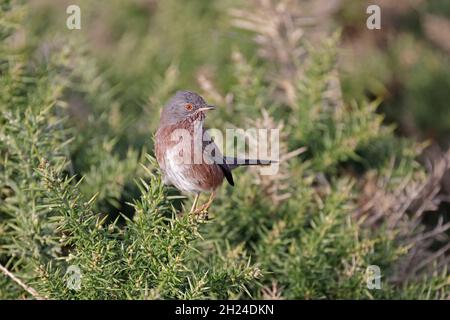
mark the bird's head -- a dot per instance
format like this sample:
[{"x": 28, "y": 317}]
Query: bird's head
[{"x": 183, "y": 105}]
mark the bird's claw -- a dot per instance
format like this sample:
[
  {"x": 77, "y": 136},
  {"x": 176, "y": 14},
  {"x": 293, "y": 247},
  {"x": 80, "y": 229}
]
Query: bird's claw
[
  {"x": 204, "y": 215},
  {"x": 201, "y": 212}
]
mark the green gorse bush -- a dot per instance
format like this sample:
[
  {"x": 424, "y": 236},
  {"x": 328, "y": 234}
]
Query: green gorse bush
[{"x": 79, "y": 186}]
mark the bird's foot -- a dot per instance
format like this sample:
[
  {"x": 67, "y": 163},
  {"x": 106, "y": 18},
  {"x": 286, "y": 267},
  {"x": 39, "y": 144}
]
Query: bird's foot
[
  {"x": 202, "y": 212},
  {"x": 204, "y": 215}
]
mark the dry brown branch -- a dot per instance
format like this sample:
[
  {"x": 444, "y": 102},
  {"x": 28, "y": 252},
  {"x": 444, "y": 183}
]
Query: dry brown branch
[
  {"x": 437, "y": 30},
  {"x": 209, "y": 90},
  {"x": 272, "y": 293},
  {"x": 27, "y": 288},
  {"x": 402, "y": 211},
  {"x": 280, "y": 27},
  {"x": 276, "y": 186}
]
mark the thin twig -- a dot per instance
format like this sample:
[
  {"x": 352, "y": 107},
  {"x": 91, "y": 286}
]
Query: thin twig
[{"x": 27, "y": 288}]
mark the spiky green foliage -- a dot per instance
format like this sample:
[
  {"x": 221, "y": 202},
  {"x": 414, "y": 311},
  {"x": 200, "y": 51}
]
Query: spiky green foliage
[{"x": 77, "y": 187}]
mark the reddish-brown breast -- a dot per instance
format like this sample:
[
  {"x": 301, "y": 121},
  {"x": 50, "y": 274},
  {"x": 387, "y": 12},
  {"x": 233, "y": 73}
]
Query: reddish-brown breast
[{"x": 185, "y": 175}]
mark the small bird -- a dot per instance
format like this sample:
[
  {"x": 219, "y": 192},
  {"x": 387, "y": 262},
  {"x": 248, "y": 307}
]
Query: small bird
[{"x": 185, "y": 111}]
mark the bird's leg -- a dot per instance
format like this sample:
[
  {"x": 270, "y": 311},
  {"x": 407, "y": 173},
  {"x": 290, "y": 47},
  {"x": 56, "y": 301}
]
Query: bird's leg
[
  {"x": 194, "y": 205},
  {"x": 204, "y": 208},
  {"x": 210, "y": 200}
]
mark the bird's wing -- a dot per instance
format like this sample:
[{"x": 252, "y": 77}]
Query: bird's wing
[{"x": 217, "y": 157}]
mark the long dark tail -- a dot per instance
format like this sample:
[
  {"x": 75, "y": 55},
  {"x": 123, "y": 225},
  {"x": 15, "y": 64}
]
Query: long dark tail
[{"x": 231, "y": 163}]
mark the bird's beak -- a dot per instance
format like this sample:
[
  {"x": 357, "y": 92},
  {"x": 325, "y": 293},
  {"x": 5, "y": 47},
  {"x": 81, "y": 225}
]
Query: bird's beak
[{"x": 206, "y": 108}]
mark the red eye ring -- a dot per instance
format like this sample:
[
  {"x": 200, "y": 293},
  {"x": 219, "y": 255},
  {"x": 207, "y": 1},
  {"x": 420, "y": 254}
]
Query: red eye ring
[{"x": 188, "y": 106}]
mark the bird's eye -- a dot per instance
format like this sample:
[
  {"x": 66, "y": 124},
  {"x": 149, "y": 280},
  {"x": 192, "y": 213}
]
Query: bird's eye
[{"x": 188, "y": 106}]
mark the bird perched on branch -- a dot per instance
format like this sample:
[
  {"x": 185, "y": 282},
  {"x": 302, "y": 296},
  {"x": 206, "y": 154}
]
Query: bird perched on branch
[{"x": 180, "y": 145}]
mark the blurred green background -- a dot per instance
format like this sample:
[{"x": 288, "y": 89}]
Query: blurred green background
[
  {"x": 406, "y": 62},
  {"x": 275, "y": 69}
]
